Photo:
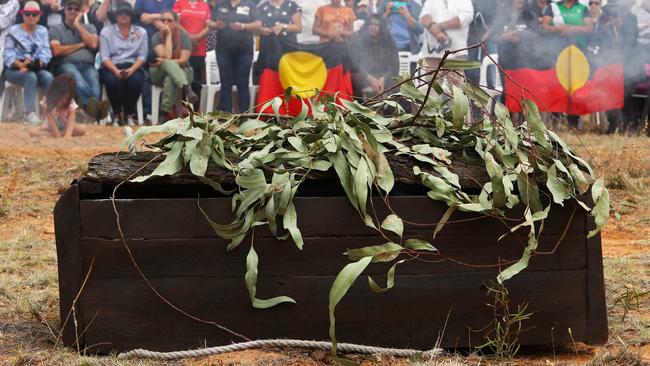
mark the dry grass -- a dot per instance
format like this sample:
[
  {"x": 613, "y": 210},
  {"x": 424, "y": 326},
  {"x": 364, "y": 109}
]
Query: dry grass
[{"x": 34, "y": 172}]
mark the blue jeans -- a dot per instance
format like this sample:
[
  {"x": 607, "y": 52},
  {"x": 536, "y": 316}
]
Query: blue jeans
[
  {"x": 30, "y": 81},
  {"x": 87, "y": 79},
  {"x": 234, "y": 69}
]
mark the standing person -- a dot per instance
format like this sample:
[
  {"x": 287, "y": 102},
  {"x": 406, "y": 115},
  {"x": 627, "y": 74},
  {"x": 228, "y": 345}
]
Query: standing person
[
  {"x": 60, "y": 111},
  {"x": 280, "y": 18},
  {"x": 237, "y": 21},
  {"x": 150, "y": 12},
  {"x": 568, "y": 22},
  {"x": 480, "y": 31},
  {"x": 309, "y": 8},
  {"x": 194, "y": 16},
  {"x": 375, "y": 57},
  {"x": 334, "y": 22},
  {"x": 171, "y": 70},
  {"x": 402, "y": 18},
  {"x": 447, "y": 24},
  {"x": 516, "y": 32},
  {"x": 26, "y": 55},
  {"x": 538, "y": 9},
  {"x": 123, "y": 51},
  {"x": 74, "y": 46},
  {"x": 8, "y": 11}
]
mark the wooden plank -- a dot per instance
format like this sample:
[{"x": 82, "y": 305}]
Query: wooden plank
[
  {"x": 67, "y": 230},
  {"x": 411, "y": 315},
  {"x": 320, "y": 256},
  {"x": 597, "y": 308},
  {"x": 317, "y": 216},
  {"x": 113, "y": 168}
]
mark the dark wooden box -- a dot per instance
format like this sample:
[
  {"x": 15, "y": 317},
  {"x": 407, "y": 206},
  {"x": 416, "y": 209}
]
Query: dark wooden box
[{"x": 188, "y": 264}]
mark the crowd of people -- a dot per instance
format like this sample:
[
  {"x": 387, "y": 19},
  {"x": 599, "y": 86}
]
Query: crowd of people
[{"x": 126, "y": 46}]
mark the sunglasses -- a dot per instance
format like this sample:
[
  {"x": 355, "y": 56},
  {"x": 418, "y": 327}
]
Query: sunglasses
[
  {"x": 72, "y": 8},
  {"x": 167, "y": 20},
  {"x": 31, "y": 14},
  {"x": 594, "y": 3}
]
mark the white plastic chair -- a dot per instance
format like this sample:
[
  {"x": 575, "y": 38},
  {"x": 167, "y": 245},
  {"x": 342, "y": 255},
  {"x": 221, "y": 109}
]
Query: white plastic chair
[
  {"x": 156, "y": 92},
  {"x": 488, "y": 65},
  {"x": 138, "y": 106},
  {"x": 17, "y": 92},
  {"x": 213, "y": 84},
  {"x": 405, "y": 59}
]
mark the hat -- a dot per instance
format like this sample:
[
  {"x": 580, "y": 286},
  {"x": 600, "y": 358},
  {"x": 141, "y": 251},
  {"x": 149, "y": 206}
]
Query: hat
[
  {"x": 31, "y": 6},
  {"x": 70, "y": 2},
  {"x": 125, "y": 7}
]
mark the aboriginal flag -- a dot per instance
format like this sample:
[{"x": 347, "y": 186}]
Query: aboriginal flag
[
  {"x": 307, "y": 69},
  {"x": 570, "y": 80}
]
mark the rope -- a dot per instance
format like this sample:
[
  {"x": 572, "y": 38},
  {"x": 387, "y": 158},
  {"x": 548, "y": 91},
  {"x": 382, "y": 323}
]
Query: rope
[{"x": 277, "y": 343}]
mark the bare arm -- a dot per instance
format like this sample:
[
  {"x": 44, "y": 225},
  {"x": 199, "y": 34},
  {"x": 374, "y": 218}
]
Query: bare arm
[
  {"x": 102, "y": 12},
  {"x": 64, "y": 50},
  {"x": 318, "y": 30},
  {"x": 72, "y": 121},
  {"x": 54, "y": 130},
  {"x": 185, "y": 57},
  {"x": 88, "y": 39},
  {"x": 164, "y": 50},
  {"x": 296, "y": 27}
]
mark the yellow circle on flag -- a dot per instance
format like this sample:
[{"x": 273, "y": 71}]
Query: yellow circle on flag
[
  {"x": 572, "y": 69},
  {"x": 304, "y": 72}
]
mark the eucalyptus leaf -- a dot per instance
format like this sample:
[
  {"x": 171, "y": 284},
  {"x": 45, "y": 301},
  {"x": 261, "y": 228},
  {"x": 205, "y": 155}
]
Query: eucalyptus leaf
[
  {"x": 252, "y": 262},
  {"x": 390, "y": 280},
  {"x": 393, "y": 223}
]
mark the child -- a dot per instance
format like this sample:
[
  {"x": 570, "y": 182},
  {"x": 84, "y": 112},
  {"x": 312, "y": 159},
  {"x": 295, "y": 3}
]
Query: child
[{"x": 60, "y": 110}]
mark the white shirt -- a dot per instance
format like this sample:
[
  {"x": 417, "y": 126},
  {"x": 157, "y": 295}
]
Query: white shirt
[
  {"x": 309, "y": 8},
  {"x": 443, "y": 10},
  {"x": 643, "y": 17}
]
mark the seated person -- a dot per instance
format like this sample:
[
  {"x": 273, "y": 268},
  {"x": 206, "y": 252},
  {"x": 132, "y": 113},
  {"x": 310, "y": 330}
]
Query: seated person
[
  {"x": 74, "y": 46},
  {"x": 375, "y": 58},
  {"x": 123, "y": 51},
  {"x": 26, "y": 55},
  {"x": 171, "y": 70}
]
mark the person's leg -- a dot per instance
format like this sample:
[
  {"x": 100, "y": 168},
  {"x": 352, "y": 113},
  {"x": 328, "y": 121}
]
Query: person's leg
[
  {"x": 44, "y": 79},
  {"x": 28, "y": 81},
  {"x": 175, "y": 73},
  {"x": 161, "y": 78},
  {"x": 113, "y": 89},
  {"x": 78, "y": 130},
  {"x": 226, "y": 73},
  {"x": 91, "y": 76},
  {"x": 243, "y": 64},
  {"x": 573, "y": 120},
  {"x": 133, "y": 91},
  {"x": 198, "y": 67},
  {"x": 83, "y": 88}
]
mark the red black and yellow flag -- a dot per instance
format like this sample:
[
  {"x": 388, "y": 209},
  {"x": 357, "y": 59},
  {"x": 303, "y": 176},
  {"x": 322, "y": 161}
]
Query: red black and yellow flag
[
  {"x": 570, "y": 83},
  {"x": 307, "y": 69}
]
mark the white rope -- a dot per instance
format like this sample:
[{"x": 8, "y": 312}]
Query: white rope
[{"x": 277, "y": 343}]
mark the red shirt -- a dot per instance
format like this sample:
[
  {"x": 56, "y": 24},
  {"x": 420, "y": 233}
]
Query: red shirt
[{"x": 194, "y": 18}]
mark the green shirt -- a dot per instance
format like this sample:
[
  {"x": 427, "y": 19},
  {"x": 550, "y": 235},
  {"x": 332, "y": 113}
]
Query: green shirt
[{"x": 575, "y": 15}]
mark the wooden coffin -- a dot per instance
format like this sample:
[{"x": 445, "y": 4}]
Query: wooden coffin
[{"x": 435, "y": 297}]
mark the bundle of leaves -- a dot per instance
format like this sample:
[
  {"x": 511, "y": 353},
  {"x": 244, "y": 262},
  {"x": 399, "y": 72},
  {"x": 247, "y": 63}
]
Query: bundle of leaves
[{"x": 270, "y": 156}]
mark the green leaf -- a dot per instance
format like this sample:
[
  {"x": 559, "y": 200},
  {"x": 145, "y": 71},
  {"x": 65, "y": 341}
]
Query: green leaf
[
  {"x": 290, "y": 222},
  {"x": 251, "y": 284},
  {"x": 558, "y": 189},
  {"x": 201, "y": 156},
  {"x": 579, "y": 178},
  {"x": 340, "y": 287},
  {"x": 496, "y": 176},
  {"x": 460, "y": 108},
  {"x": 390, "y": 280},
  {"x": 536, "y": 124},
  {"x": 393, "y": 223},
  {"x": 172, "y": 164},
  {"x": 443, "y": 220},
  {"x": 529, "y": 192},
  {"x": 461, "y": 64},
  {"x": 600, "y": 212},
  {"x": 418, "y": 244},
  {"x": 379, "y": 253}
]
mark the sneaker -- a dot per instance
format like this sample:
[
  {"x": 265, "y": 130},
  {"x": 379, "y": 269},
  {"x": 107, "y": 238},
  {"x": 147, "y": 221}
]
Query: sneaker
[
  {"x": 91, "y": 108},
  {"x": 33, "y": 118},
  {"x": 130, "y": 120},
  {"x": 102, "y": 109}
]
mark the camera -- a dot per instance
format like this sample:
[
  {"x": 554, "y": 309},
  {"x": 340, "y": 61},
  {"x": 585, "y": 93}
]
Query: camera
[
  {"x": 441, "y": 46},
  {"x": 397, "y": 5}
]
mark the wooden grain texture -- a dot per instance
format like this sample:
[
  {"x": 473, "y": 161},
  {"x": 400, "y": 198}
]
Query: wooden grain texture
[
  {"x": 113, "y": 168},
  {"x": 413, "y": 314},
  {"x": 67, "y": 231},
  {"x": 317, "y": 216}
]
